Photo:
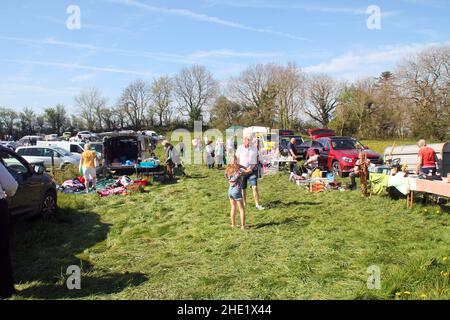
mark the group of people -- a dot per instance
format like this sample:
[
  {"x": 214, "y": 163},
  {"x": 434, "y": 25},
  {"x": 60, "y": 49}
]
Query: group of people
[{"x": 215, "y": 154}]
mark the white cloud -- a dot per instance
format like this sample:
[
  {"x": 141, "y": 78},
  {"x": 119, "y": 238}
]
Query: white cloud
[
  {"x": 353, "y": 65},
  {"x": 203, "y": 18}
]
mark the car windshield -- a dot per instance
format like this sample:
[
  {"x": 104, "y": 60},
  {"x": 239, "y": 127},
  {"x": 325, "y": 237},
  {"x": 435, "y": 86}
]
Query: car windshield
[
  {"x": 345, "y": 144},
  {"x": 63, "y": 152}
]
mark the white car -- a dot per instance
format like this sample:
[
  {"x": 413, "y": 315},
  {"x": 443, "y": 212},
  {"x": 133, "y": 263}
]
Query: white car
[
  {"x": 86, "y": 135},
  {"x": 30, "y": 140},
  {"x": 153, "y": 135},
  {"x": 61, "y": 157}
]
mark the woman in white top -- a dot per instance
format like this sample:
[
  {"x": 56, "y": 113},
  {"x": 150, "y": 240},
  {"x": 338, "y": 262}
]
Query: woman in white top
[
  {"x": 219, "y": 153},
  {"x": 8, "y": 187},
  {"x": 209, "y": 151}
]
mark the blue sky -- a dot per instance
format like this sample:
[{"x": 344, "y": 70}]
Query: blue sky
[{"x": 42, "y": 63}]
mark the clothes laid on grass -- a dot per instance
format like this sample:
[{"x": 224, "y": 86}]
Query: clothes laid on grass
[
  {"x": 122, "y": 186},
  {"x": 73, "y": 186},
  {"x": 379, "y": 182},
  {"x": 105, "y": 187}
]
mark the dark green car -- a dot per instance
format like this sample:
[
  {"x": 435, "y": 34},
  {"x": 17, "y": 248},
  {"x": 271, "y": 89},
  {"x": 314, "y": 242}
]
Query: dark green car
[{"x": 37, "y": 190}]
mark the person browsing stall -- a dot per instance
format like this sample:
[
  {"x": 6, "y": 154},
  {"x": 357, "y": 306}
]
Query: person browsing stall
[
  {"x": 427, "y": 159},
  {"x": 293, "y": 153},
  {"x": 87, "y": 166}
]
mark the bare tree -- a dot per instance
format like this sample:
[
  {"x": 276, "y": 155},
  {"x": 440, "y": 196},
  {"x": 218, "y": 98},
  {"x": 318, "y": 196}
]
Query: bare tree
[
  {"x": 290, "y": 94},
  {"x": 322, "y": 98},
  {"x": 92, "y": 107},
  {"x": 162, "y": 97},
  {"x": 135, "y": 101},
  {"x": 195, "y": 89},
  {"x": 425, "y": 81},
  {"x": 251, "y": 89}
]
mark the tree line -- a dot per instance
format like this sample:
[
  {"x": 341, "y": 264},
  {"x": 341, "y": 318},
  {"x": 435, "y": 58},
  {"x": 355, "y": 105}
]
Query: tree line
[{"x": 410, "y": 101}]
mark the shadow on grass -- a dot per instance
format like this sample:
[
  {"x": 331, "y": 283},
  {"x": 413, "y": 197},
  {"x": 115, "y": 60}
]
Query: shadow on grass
[
  {"x": 286, "y": 221},
  {"x": 43, "y": 250},
  {"x": 283, "y": 204},
  {"x": 196, "y": 177},
  {"x": 90, "y": 287}
]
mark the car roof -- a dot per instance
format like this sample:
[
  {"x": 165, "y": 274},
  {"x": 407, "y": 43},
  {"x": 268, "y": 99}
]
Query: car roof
[
  {"x": 337, "y": 138},
  {"x": 35, "y": 147}
]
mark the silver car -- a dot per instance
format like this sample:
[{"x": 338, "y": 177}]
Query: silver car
[{"x": 61, "y": 157}]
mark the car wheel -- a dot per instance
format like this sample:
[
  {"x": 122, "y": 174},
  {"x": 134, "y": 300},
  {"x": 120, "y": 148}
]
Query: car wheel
[
  {"x": 336, "y": 167},
  {"x": 49, "y": 205}
]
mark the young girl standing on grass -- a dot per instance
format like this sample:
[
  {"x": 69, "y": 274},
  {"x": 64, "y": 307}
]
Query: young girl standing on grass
[{"x": 234, "y": 173}]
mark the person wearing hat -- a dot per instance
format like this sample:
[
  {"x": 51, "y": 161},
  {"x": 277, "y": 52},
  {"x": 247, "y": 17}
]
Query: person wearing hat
[{"x": 8, "y": 187}]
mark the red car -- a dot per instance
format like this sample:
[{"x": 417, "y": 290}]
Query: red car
[{"x": 340, "y": 154}]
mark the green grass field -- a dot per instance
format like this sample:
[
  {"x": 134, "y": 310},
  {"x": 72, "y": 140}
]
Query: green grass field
[{"x": 174, "y": 242}]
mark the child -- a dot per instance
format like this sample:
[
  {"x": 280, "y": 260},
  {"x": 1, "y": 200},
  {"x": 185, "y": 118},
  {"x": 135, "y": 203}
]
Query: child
[{"x": 234, "y": 173}]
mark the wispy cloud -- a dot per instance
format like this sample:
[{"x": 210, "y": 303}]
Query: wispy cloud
[
  {"x": 85, "y": 46},
  {"x": 183, "y": 59},
  {"x": 81, "y": 67},
  {"x": 296, "y": 6},
  {"x": 227, "y": 53},
  {"x": 204, "y": 18}
]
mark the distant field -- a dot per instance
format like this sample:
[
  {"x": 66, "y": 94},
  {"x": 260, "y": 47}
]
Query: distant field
[{"x": 380, "y": 145}]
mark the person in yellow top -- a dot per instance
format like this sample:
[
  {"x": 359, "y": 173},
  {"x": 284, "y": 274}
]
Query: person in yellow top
[{"x": 87, "y": 166}]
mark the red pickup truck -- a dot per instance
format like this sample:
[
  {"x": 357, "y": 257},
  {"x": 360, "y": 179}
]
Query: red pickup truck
[{"x": 339, "y": 153}]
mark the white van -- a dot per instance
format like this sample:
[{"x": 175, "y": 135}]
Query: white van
[{"x": 73, "y": 147}]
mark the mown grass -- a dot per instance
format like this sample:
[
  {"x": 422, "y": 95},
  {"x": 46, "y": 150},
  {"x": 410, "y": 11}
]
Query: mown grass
[{"x": 174, "y": 242}]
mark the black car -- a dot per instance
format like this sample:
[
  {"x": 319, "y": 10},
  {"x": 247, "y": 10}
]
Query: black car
[{"x": 37, "y": 190}]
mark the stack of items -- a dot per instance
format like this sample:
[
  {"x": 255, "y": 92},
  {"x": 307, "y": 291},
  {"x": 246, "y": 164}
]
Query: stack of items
[{"x": 122, "y": 186}]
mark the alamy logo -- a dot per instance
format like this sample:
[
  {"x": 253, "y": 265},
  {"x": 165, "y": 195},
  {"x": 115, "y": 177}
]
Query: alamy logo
[
  {"x": 74, "y": 280},
  {"x": 374, "y": 21},
  {"x": 74, "y": 20},
  {"x": 374, "y": 280}
]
